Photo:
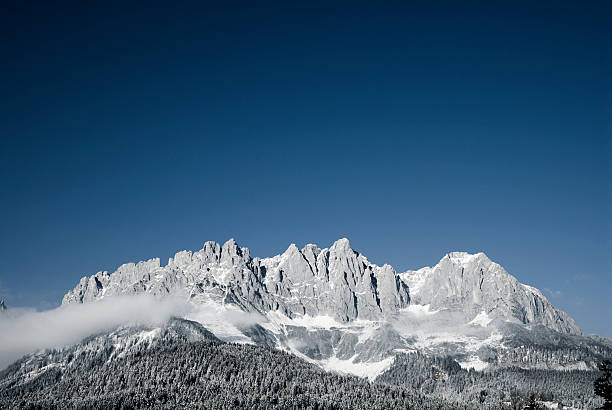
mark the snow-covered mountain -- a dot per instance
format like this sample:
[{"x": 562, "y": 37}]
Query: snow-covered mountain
[
  {"x": 103, "y": 347},
  {"x": 334, "y": 307},
  {"x": 336, "y": 281},
  {"x": 484, "y": 291}
]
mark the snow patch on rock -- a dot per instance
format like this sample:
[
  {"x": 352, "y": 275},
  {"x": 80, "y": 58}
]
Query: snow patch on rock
[
  {"x": 371, "y": 370},
  {"x": 481, "y": 319},
  {"x": 222, "y": 321},
  {"x": 419, "y": 310},
  {"x": 309, "y": 322},
  {"x": 475, "y": 363}
]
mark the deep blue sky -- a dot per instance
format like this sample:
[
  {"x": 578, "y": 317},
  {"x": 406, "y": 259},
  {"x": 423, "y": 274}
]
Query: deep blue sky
[{"x": 134, "y": 132}]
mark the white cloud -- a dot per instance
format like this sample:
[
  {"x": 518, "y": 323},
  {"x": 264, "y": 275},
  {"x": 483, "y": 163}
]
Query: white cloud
[{"x": 24, "y": 331}]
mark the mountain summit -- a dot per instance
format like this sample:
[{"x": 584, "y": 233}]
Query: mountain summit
[{"x": 476, "y": 285}]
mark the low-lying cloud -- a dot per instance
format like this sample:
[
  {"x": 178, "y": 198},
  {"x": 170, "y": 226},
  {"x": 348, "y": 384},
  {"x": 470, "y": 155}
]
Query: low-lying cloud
[{"x": 23, "y": 331}]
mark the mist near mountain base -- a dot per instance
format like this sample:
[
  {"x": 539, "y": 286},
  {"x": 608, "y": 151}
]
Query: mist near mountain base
[{"x": 24, "y": 331}]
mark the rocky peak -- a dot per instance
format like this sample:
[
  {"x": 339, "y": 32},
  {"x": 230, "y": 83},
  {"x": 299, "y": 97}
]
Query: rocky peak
[
  {"x": 464, "y": 258},
  {"x": 2, "y": 306},
  {"x": 292, "y": 249},
  {"x": 231, "y": 252},
  {"x": 211, "y": 252},
  {"x": 230, "y": 247},
  {"x": 342, "y": 245},
  {"x": 472, "y": 283},
  {"x": 311, "y": 248}
]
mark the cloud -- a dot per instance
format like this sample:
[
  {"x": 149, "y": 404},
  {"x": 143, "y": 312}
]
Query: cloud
[
  {"x": 225, "y": 321},
  {"x": 24, "y": 331},
  {"x": 241, "y": 318}
]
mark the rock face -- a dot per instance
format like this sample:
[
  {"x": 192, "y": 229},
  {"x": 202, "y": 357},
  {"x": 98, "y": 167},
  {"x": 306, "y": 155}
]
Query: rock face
[
  {"x": 336, "y": 281},
  {"x": 2, "y": 306},
  {"x": 478, "y": 286}
]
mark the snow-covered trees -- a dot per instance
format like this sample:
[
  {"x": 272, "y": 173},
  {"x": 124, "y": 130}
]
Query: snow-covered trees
[
  {"x": 207, "y": 375},
  {"x": 603, "y": 385},
  {"x": 443, "y": 377}
]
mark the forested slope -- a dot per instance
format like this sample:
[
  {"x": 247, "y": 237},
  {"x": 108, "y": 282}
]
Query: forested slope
[
  {"x": 207, "y": 375},
  {"x": 443, "y": 377}
]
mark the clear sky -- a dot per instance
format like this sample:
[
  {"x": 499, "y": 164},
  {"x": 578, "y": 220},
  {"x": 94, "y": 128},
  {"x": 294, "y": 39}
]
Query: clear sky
[{"x": 133, "y": 132}]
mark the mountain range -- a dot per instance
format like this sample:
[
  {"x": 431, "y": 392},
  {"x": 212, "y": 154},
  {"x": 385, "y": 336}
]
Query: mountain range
[{"x": 335, "y": 309}]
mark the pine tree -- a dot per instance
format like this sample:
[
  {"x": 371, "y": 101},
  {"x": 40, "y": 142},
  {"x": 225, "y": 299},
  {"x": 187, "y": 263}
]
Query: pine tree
[
  {"x": 603, "y": 385},
  {"x": 532, "y": 403}
]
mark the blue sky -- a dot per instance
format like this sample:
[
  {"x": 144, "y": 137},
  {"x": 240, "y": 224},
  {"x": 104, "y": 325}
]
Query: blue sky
[{"x": 131, "y": 133}]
